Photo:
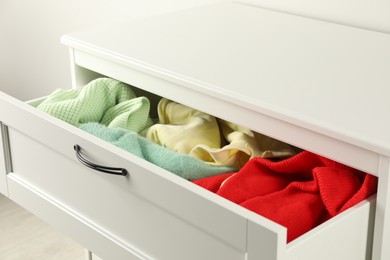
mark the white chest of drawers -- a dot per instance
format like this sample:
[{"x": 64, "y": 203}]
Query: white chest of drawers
[{"x": 320, "y": 86}]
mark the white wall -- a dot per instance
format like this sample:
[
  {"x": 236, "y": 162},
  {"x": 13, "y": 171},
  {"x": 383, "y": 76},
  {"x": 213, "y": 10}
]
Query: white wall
[{"x": 33, "y": 62}]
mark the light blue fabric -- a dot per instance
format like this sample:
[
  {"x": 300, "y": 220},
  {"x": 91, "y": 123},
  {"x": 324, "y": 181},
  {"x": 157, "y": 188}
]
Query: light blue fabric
[{"x": 180, "y": 164}]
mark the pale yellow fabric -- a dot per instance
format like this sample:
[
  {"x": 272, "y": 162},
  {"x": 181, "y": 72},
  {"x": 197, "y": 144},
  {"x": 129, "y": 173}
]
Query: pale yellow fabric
[
  {"x": 181, "y": 128},
  {"x": 212, "y": 140},
  {"x": 242, "y": 144}
]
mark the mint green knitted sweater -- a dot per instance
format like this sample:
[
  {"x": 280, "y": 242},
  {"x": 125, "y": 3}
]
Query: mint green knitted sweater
[{"x": 105, "y": 101}]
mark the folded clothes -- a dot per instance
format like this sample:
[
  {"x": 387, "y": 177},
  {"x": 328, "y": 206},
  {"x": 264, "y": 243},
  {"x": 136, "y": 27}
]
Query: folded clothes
[
  {"x": 104, "y": 100},
  {"x": 299, "y": 193},
  {"x": 180, "y": 164},
  {"x": 215, "y": 141}
]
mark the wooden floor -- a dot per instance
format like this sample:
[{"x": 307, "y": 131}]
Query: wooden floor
[{"x": 23, "y": 236}]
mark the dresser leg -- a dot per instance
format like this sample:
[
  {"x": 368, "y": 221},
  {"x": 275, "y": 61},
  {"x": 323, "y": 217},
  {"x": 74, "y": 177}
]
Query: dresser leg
[
  {"x": 88, "y": 255},
  {"x": 381, "y": 250}
]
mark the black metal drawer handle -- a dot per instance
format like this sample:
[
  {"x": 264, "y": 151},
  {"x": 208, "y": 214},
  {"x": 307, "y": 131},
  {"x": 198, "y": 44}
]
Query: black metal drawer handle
[{"x": 109, "y": 170}]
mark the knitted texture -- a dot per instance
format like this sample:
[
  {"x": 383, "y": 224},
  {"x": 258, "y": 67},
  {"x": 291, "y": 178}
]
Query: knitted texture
[
  {"x": 103, "y": 100},
  {"x": 180, "y": 164},
  {"x": 299, "y": 193}
]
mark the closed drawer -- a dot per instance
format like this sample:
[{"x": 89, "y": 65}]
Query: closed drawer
[{"x": 151, "y": 213}]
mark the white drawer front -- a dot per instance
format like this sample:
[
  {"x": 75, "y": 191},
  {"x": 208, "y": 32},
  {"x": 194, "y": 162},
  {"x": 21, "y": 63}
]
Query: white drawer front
[{"x": 123, "y": 211}]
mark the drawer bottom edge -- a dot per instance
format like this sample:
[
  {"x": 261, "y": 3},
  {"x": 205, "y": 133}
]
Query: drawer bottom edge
[{"x": 69, "y": 222}]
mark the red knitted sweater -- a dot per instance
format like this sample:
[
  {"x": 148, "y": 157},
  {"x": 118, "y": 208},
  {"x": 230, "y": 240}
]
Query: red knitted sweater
[{"x": 299, "y": 193}]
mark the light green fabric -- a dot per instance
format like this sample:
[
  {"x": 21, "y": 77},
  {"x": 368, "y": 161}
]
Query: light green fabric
[
  {"x": 104, "y": 100},
  {"x": 180, "y": 164}
]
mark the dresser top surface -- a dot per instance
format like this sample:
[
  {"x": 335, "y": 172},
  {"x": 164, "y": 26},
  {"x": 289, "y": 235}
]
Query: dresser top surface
[{"x": 329, "y": 78}]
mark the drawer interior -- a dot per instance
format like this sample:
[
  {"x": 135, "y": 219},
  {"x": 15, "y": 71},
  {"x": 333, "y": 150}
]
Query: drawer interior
[{"x": 215, "y": 183}]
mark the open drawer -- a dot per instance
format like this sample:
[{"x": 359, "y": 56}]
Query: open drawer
[{"x": 150, "y": 213}]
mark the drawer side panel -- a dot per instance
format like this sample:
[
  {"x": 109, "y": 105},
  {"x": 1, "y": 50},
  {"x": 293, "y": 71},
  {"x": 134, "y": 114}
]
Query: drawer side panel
[{"x": 346, "y": 236}]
